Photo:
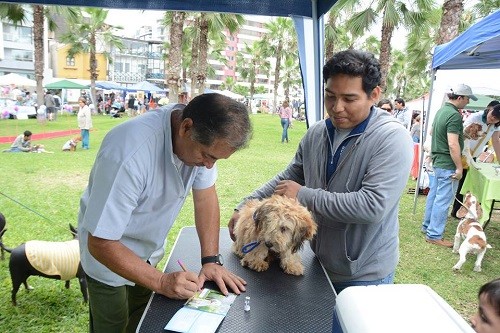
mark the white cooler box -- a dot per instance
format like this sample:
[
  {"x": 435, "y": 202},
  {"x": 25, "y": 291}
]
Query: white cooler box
[{"x": 397, "y": 308}]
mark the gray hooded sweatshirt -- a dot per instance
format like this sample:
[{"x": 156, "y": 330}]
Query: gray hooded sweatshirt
[{"x": 357, "y": 208}]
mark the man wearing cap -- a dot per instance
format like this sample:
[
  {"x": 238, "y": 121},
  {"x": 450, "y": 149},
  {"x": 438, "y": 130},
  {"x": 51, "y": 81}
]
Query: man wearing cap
[{"x": 446, "y": 149}]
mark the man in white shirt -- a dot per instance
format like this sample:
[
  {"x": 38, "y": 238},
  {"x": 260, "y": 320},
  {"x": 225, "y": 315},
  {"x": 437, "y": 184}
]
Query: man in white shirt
[
  {"x": 136, "y": 190},
  {"x": 401, "y": 113}
]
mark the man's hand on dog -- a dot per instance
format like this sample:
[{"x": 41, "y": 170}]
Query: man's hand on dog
[
  {"x": 288, "y": 188},
  {"x": 222, "y": 277}
]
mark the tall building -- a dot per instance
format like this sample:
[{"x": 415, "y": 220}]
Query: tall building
[{"x": 16, "y": 47}]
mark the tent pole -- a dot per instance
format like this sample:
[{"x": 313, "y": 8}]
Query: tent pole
[{"x": 423, "y": 135}]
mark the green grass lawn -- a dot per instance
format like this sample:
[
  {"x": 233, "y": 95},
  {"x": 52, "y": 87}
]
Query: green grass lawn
[{"x": 51, "y": 185}]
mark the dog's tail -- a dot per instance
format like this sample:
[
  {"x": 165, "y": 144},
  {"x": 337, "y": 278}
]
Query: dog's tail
[{"x": 1, "y": 243}]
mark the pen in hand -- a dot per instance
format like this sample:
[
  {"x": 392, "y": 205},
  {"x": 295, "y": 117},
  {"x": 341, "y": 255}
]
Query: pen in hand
[{"x": 182, "y": 265}]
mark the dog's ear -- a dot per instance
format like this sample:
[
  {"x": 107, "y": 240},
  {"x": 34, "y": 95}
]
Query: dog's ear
[
  {"x": 479, "y": 210},
  {"x": 306, "y": 232},
  {"x": 462, "y": 211}
]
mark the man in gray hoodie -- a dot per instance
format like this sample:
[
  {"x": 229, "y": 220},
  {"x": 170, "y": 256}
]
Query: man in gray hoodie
[{"x": 350, "y": 171}]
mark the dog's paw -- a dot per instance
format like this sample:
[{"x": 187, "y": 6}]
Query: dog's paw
[
  {"x": 456, "y": 267},
  {"x": 256, "y": 265},
  {"x": 293, "y": 268},
  {"x": 455, "y": 250},
  {"x": 477, "y": 268}
]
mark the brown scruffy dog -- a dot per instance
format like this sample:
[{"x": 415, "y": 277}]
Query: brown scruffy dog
[{"x": 274, "y": 227}]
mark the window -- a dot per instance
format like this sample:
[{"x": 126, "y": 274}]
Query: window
[{"x": 70, "y": 61}]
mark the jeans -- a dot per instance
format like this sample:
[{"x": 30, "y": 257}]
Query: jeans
[
  {"x": 439, "y": 199},
  {"x": 85, "y": 138},
  {"x": 339, "y": 286},
  {"x": 284, "y": 124}
]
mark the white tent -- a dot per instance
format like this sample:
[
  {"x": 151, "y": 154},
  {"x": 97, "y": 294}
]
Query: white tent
[
  {"x": 229, "y": 94},
  {"x": 17, "y": 80}
]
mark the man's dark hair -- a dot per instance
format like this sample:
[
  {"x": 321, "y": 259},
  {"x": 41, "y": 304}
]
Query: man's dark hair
[
  {"x": 492, "y": 103},
  {"x": 27, "y": 133},
  {"x": 385, "y": 101},
  {"x": 495, "y": 112},
  {"x": 400, "y": 101},
  {"x": 357, "y": 64},
  {"x": 216, "y": 116},
  {"x": 492, "y": 292}
]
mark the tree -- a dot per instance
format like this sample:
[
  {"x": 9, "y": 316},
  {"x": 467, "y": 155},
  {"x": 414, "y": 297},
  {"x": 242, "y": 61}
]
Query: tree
[
  {"x": 173, "y": 63},
  {"x": 83, "y": 36},
  {"x": 279, "y": 42},
  {"x": 450, "y": 21},
  {"x": 17, "y": 14},
  {"x": 250, "y": 66},
  {"x": 393, "y": 14}
]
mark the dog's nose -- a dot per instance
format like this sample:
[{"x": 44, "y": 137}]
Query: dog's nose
[{"x": 269, "y": 245}]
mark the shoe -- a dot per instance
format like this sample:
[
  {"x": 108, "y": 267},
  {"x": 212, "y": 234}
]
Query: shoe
[{"x": 440, "y": 242}]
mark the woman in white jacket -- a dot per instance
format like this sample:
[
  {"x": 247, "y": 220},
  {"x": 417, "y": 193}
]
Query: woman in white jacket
[{"x": 84, "y": 121}]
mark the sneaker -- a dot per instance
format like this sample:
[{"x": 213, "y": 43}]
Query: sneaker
[{"x": 440, "y": 242}]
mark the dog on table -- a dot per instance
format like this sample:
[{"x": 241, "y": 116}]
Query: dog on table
[
  {"x": 273, "y": 228},
  {"x": 472, "y": 132},
  {"x": 470, "y": 231}
]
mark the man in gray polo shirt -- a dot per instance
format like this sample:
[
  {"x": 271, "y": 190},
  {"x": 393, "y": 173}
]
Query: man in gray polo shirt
[{"x": 145, "y": 169}]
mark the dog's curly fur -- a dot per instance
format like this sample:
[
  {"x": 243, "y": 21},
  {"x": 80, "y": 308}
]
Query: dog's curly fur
[{"x": 280, "y": 225}]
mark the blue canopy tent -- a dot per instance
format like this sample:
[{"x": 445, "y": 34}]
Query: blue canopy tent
[
  {"x": 109, "y": 85},
  {"x": 307, "y": 15},
  {"x": 472, "y": 58}
]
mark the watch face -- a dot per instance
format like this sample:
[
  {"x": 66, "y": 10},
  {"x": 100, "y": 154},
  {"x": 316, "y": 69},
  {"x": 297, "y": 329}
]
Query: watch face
[{"x": 220, "y": 260}]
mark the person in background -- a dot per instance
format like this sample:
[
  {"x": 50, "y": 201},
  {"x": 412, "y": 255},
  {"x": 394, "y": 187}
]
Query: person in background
[
  {"x": 84, "y": 118},
  {"x": 447, "y": 143},
  {"x": 136, "y": 190},
  {"x": 401, "y": 113},
  {"x": 285, "y": 113},
  {"x": 131, "y": 106},
  {"x": 487, "y": 318},
  {"x": 22, "y": 143},
  {"x": 415, "y": 130},
  {"x": 350, "y": 173},
  {"x": 490, "y": 123},
  {"x": 385, "y": 104},
  {"x": 50, "y": 103}
]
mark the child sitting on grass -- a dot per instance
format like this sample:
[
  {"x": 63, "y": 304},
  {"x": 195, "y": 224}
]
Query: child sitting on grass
[{"x": 487, "y": 318}]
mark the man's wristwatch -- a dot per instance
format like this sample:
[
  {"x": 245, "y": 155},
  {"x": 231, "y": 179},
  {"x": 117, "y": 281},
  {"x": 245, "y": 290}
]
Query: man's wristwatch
[{"x": 212, "y": 259}]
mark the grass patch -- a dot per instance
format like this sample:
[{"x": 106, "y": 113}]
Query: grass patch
[{"x": 51, "y": 184}]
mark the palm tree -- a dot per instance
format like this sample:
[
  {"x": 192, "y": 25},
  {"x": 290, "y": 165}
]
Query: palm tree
[
  {"x": 208, "y": 26},
  {"x": 173, "y": 63},
  {"x": 280, "y": 41},
  {"x": 84, "y": 35},
  {"x": 17, "y": 13},
  {"x": 450, "y": 21},
  {"x": 394, "y": 13},
  {"x": 250, "y": 66},
  {"x": 291, "y": 74}
]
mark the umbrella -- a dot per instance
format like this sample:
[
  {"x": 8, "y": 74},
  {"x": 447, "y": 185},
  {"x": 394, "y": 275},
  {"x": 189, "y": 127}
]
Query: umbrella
[
  {"x": 16, "y": 79},
  {"x": 65, "y": 84},
  {"x": 145, "y": 86}
]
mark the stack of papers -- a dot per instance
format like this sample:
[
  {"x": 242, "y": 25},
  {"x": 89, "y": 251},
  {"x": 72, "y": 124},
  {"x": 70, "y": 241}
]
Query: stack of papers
[{"x": 202, "y": 313}]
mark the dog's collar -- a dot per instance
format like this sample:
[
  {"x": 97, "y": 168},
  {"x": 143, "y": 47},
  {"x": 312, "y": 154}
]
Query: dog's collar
[{"x": 249, "y": 247}]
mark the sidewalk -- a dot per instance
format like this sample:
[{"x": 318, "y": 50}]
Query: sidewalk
[{"x": 42, "y": 136}]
